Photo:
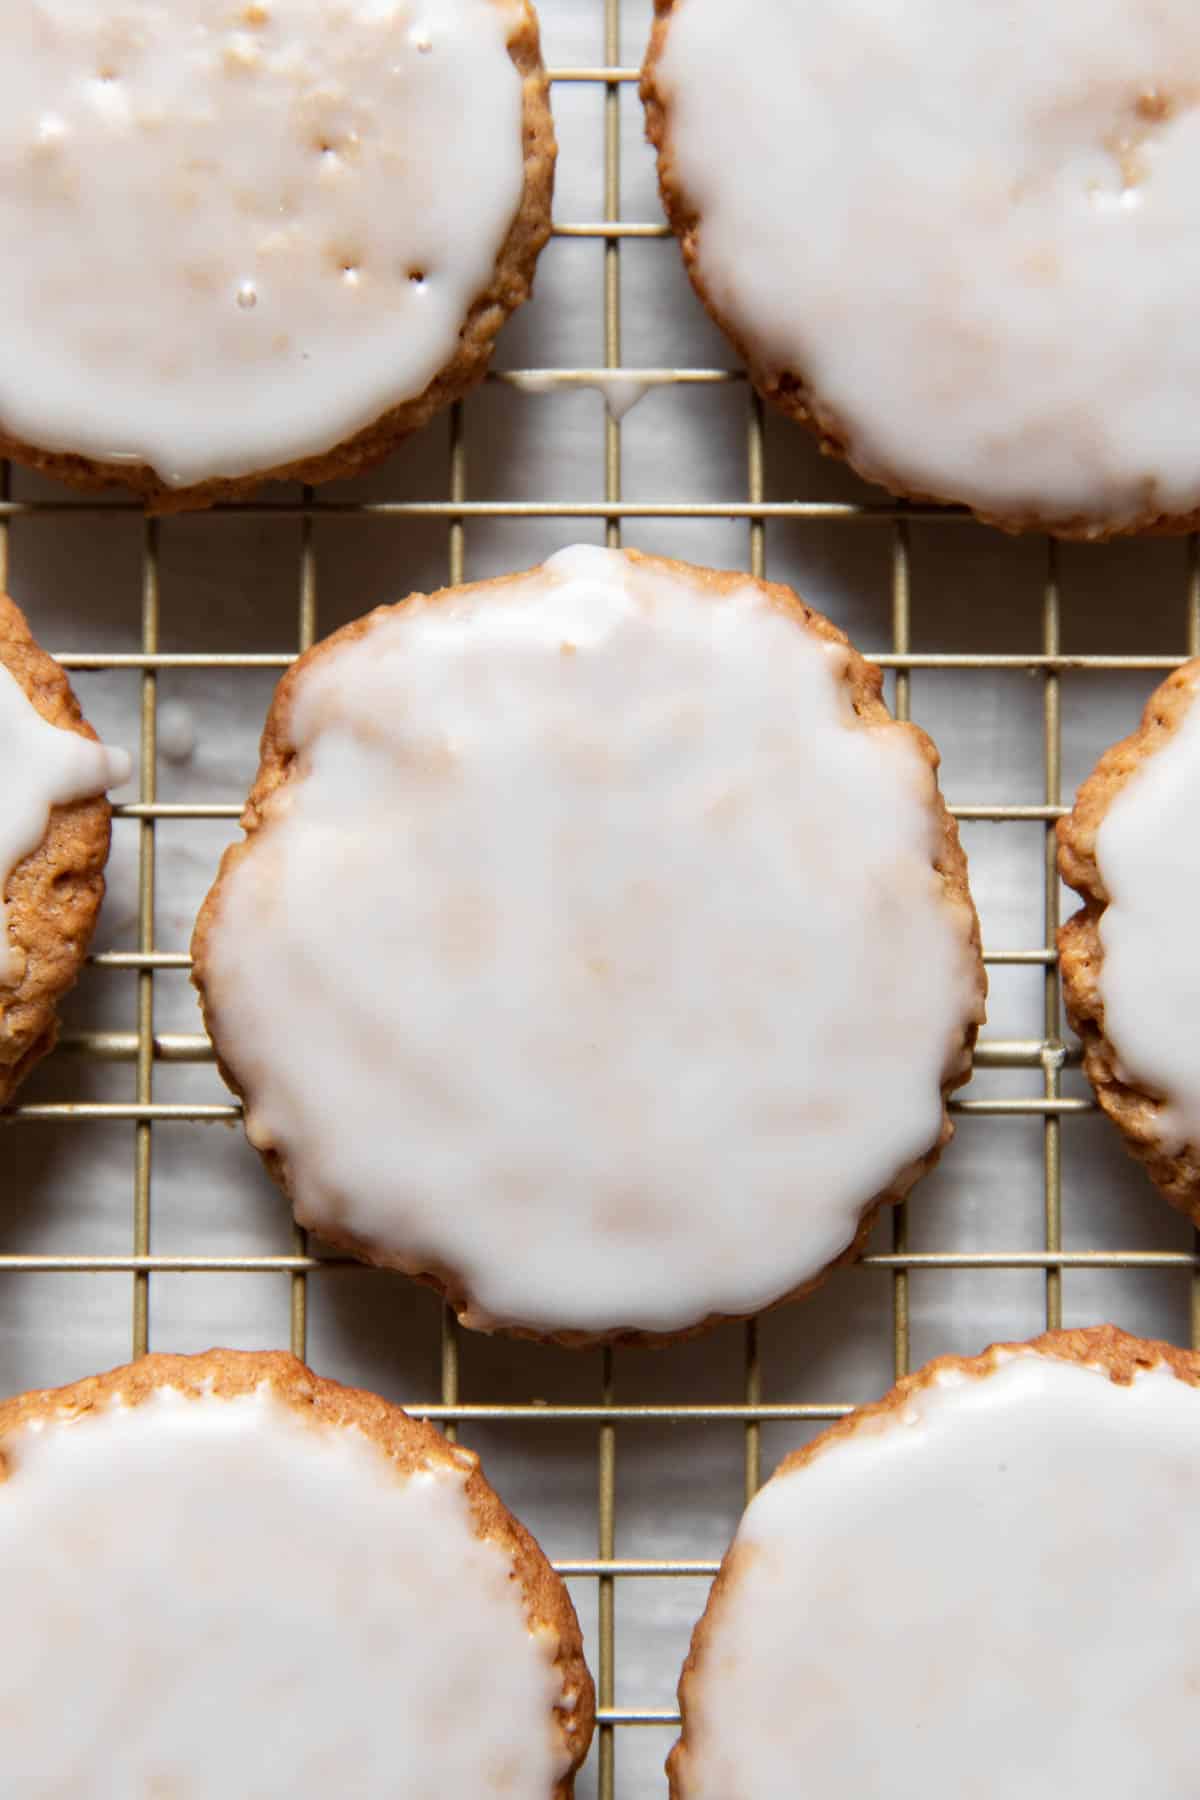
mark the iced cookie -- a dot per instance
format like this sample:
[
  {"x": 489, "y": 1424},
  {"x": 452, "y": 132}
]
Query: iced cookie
[
  {"x": 956, "y": 241},
  {"x": 599, "y": 948},
  {"x": 224, "y": 1576},
  {"x": 1131, "y": 957},
  {"x": 985, "y": 1584},
  {"x": 54, "y": 837},
  {"x": 258, "y": 238}
]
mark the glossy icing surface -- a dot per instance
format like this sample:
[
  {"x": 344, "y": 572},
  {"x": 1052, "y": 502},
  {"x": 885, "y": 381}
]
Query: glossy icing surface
[
  {"x": 1148, "y": 854},
  {"x": 974, "y": 230},
  {"x": 992, "y": 1591},
  {"x": 41, "y": 766},
  {"x": 208, "y": 1597},
  {"x": 238, "y": 233},
  {"x": 558, "y": 964}
]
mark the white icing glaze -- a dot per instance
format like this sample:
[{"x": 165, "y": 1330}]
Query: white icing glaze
[
  {"x": 43, "y": 766},
  {"x": 1148, "y": 855},
  {"x": 973, "y": 229},
  {"x": 992, "y": 1592},
  {"x": 216, "y": 1597},
  {"x": 621, "y": 389},
  {"x": 557, "y": 967},
  {"x": 175, "y": 727},
  {"x": 237, "y": 231}
]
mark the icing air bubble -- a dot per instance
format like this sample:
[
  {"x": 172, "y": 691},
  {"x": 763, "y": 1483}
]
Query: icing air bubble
[{"x": 247, "y": 295}]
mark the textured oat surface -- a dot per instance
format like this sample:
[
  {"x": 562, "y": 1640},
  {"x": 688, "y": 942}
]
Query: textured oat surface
[
  {"x": 54, "y": 895},
  {"x": 1133, "y": 1109}
]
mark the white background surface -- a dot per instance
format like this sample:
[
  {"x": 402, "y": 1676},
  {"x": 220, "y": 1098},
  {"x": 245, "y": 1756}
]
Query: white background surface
[{"x": 230, "y": 583}]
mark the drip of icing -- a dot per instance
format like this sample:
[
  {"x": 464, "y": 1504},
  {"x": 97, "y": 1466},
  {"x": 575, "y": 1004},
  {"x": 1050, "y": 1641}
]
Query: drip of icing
[
  {"x": 1148, "y": 855},
  {"x": 621, "y": 388},
  {"x": 970, "y": 229},
  {"x": 561, "y": 965},
  {"x": 242, "y": 1601},
  {"x": 621, "y": 392},
  {"x": 992, "y": 1591},
  {"x": 240, "y": 233},
  {"x": 176, "y": 729},
  {"x": 44, "y": 766}
]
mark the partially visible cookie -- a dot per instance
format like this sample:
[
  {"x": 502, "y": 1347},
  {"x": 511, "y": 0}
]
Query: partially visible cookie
[
  {"x": 955, "y": 241},
  {"x": 1130, "y": 957},
  {"x": 986, "y": 1584},
  {"x": 600, "y": 949},
  {"x": 224, "y": 1576},
  {"x": 54, "y": 838},
  {"x": 252, "y": 239}
]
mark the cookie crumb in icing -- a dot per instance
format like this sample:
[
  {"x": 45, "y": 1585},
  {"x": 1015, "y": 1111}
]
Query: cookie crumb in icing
[{"x": 636, "y": 968}]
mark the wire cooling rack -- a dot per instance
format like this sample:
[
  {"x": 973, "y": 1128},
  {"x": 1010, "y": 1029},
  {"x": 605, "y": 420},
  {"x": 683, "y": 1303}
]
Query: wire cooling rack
[{"x": 648, "y": 1456}]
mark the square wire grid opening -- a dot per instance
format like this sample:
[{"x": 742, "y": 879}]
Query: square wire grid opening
[{"x": 631, "y": 1466}]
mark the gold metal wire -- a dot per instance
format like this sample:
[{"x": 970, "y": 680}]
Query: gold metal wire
[
  {"x": 143, "y": 1142},
  {"x": 1046, "y": 1057},
  {"x": 901, "y": 635},
  {"x": 1192, "y": 631},
  {"x": 752, "y": 1380},
  {"x": 306, "y": 635},
  {"x": 1051, "y": 996},
  {"x": 606, "y": 1452},
  {"x": 455, "y": 573}
]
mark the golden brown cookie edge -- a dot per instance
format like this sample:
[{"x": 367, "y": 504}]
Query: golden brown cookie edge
[
  {"x": 1133, "y": 1109},
  {"x": 510, "y": 287},
  {"x": 54, "y": 893},
  {"x": 791, "y": 392},
  {"x": 409, "y": 1443},
  {"x": 1120, "y": 1355},
  {"x": 864, "y": 681}
]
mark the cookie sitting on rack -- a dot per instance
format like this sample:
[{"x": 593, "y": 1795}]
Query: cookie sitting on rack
[
  {"x": 985, "y": 1584},
  {"x": 259, "y": 238},
  {"x": 968, "y": 267},
  {"x": 250, "y": 1581},
  {"x": 1131, "y": 956},
  {"x": 54, "y": 841},
  {"x": 599, "y": 950}
]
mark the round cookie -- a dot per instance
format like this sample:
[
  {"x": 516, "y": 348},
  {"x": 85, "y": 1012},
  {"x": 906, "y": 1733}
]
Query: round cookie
[
  {"x": 247, "y": 1580},
  {"x": 985, "y": 1584},
  {"x": 957, "y": 242},
  {"x": 259, "y": 240},
  {"x": 54, "y": 839},
  {"x": 599, "y": 949},
  {"x": 1130, "y": 958}
]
